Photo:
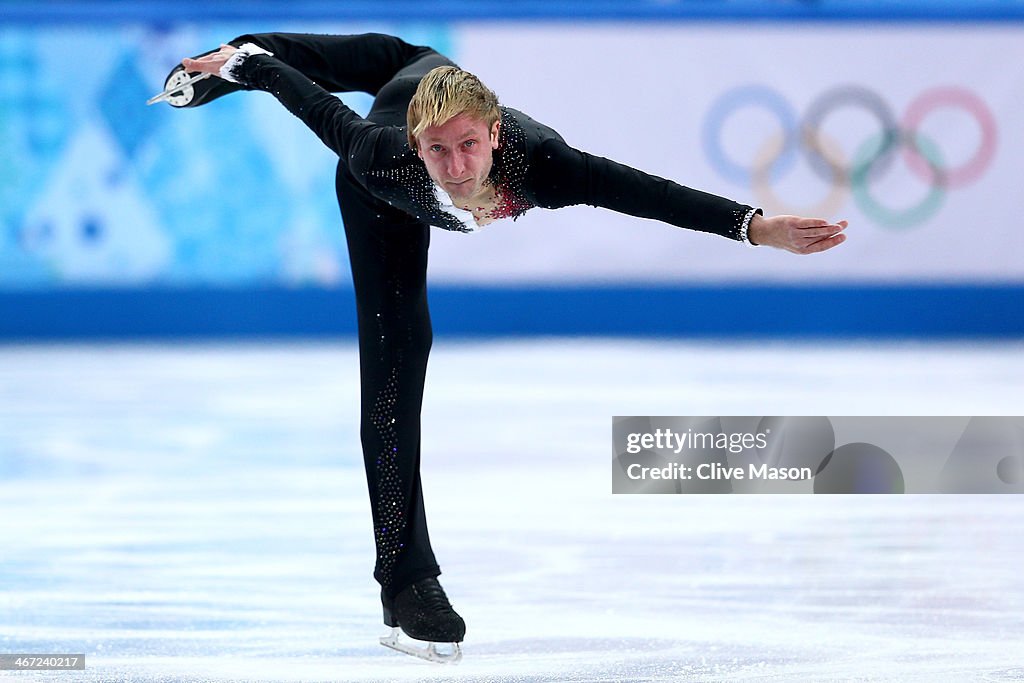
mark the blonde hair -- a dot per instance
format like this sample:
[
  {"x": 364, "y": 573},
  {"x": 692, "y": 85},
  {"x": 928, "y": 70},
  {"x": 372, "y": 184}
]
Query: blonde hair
[{"x": 444, "y": 93}]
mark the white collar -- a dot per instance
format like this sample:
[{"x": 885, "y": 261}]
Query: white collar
[{"x": 448, "y": 206}]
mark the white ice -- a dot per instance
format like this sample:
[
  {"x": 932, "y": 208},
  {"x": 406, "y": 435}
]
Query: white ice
[{"x": 199, "y": 513}]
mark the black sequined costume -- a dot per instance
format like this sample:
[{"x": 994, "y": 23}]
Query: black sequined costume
[{"x": 388, "y": 203}]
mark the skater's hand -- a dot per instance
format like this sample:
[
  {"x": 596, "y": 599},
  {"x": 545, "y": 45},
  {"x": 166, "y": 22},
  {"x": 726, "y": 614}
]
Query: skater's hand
[
  {"x": 796, "y": 234},
  {"x": 212, "y": 62}
]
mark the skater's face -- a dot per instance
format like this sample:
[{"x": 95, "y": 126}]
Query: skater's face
[{"x": 458, "y": 154}]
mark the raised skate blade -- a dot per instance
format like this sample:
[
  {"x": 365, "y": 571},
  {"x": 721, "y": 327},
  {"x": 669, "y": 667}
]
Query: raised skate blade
[
  {"x": 429, "y": 653},
  {"x": 178, "y": 90}
]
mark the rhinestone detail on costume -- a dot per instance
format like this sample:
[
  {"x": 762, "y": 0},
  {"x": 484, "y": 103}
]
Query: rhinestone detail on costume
[
  {"x": 390, "y": 525},
  {"x": 744, "y": 227},
  {"x": 508, "y": 173}
]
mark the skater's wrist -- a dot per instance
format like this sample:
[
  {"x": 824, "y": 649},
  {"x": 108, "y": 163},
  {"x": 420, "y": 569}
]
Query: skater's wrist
[
  {"x": 232, "y": 68},
  {"x": 751, "y": 228}
]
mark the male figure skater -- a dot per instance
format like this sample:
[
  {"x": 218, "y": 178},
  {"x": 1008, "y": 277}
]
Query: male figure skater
[{"x": 436, "y": 149}]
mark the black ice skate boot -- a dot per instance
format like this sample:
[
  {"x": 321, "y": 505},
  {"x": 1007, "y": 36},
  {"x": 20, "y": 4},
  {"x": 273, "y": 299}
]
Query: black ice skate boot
[
  {"x": 423, "y": 612},
  {"x": 182, "y": 89}
]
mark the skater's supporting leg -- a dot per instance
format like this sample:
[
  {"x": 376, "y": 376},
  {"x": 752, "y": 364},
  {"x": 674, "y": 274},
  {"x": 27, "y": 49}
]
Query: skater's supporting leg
[{"x": 388, "y": 252}]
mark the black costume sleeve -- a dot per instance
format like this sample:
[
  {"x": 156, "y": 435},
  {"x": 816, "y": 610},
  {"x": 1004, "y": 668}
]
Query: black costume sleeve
[
  {"x": 362, "y": 63},
  {"x": 306, "y": 68},
  {"x": 564, "y": 176},
  {"x": 349, "y": 135}
]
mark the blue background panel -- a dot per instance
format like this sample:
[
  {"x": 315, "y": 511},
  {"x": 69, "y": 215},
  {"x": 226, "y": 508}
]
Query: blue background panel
[
  {"x": 937, "y": 312},
  {"x": 456, "y": 10}
]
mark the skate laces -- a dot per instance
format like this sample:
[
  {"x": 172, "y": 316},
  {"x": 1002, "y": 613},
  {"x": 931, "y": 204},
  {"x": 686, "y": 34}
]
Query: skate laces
[{"x": 432, "y": 596}]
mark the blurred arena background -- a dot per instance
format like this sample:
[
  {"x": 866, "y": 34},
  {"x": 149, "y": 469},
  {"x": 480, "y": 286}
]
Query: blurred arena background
[{"x": 181, "y": 492}]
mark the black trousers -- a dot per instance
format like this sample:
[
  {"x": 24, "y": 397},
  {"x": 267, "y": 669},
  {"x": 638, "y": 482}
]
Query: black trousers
[{"x": 388, "y": 252}]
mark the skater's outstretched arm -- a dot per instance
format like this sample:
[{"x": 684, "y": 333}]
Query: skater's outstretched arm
[
  {"x": 349, "y": 135},
  {"x": 361, "y": 63},
  {"x": 566, "y": 176}
]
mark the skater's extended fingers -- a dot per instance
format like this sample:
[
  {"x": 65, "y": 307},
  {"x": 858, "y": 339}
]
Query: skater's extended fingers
[
  {"x": 204, "y": 65},
  {"x": 797, "y": 234},
  {"x": 822, "y": 245},
  {"x": 810, "y": 222},
  {"x": 210, "y": 63},
  {"x": 821, "y": 231}
]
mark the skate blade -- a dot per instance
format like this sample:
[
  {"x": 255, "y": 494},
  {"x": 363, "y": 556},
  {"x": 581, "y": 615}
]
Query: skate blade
[
  {"x": 179, "y": 91},
  {"x": 429, "y": 653}
]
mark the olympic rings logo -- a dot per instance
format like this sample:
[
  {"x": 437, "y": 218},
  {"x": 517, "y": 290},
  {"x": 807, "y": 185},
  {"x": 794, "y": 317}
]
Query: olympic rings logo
[{"x": 870, "y": 160}]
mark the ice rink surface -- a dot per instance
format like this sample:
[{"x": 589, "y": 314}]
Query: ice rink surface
[{"x": 199, "y": 513}]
